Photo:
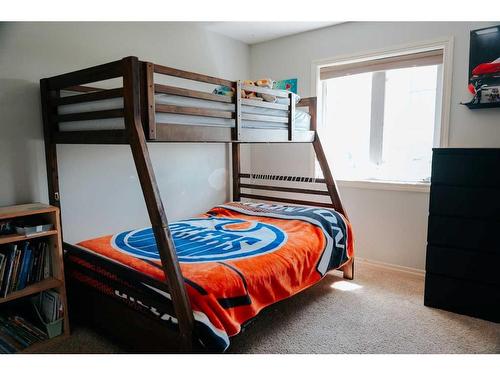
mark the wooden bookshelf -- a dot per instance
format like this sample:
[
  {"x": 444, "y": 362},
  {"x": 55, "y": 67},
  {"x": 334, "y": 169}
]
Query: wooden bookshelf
[{"x": 48, "y": 215}]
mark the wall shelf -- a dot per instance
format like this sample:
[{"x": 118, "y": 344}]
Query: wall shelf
[{"x": 481, "y": 105}]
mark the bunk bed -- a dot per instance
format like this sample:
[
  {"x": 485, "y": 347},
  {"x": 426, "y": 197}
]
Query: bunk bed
[{"x": 111, "y": 288}]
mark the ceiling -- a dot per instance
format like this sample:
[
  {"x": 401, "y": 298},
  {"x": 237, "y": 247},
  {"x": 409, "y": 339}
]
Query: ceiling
[{"x": 257, "y": 32}]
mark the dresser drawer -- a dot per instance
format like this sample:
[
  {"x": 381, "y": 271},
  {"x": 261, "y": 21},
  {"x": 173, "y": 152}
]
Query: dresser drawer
[
  {"x": 464, "y": 264},
  {"x": 480, "y": 235},
  {"x": 466, "y": 167},
  {"x": 464, "y": 297},
  {"x": 465, "y": 202}
]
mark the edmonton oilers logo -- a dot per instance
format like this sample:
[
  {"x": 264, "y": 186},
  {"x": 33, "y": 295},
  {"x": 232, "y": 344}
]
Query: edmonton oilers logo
[{"x": 209, "y": 239}]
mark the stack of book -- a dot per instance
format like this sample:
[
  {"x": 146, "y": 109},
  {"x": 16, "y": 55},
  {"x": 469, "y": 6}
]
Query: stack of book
[
  {"x": 23, "y": 264},
  {"x": 16, "y": 333},
  {"x": 49, "y": 305}
]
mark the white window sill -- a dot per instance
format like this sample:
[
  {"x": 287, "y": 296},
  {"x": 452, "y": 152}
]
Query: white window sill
[{"x": 419, "y": 187}]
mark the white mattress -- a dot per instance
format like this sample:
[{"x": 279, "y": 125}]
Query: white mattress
[{"x": 302, "y": 119}]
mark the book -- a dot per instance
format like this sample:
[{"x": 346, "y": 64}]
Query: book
[
  {"x": 15, "y": 270},
  {"x": 3, "y": 265},
  {"x": 31, "y": 267},
  {"x": 49, "y": 305},
  {"x": 11, "y": 251},
  {"x": 37, "y": 332},
  {"x": 47, "y": 262},
  {"x": 7, "y": 331},
  {"x": 17, "y": 333},
  {"x": 24, "y": 268},
  {"x": 5, "y": 346}
]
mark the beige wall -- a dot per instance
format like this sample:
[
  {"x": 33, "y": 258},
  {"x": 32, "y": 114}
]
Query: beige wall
[
  {"x": 390, "y": 226},
  {"x": 99, "y": 188}
]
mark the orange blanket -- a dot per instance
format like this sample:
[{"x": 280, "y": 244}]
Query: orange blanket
[{"x": 239, "y": 258}]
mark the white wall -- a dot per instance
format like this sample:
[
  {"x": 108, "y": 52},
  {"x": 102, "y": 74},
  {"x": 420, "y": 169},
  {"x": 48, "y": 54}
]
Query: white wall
[
  {"x": 99, "y": 188},
  {"x": 390, "y": 226}
]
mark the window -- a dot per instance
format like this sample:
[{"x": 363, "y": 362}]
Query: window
[{"x": 382, "y": 117}]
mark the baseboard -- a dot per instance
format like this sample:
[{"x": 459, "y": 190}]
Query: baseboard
[{"x": 394, "y": 267}]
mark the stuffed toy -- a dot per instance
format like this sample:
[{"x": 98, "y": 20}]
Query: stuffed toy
[
  {"x": 248, "y": 94},
  {"x": 268, "y": 83},
  {"x": 224, "y": 90}
]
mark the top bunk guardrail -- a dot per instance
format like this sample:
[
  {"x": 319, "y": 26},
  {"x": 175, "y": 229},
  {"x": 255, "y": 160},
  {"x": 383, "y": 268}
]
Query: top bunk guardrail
[{"x": 83, "y": 107}]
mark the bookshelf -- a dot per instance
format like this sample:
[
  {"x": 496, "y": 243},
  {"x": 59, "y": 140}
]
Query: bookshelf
[{"x": 48, "y": 215}]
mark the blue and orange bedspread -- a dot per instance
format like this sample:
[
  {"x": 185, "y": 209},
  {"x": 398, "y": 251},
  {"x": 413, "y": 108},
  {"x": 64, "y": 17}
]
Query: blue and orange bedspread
[{"x": 236, "y": 259}]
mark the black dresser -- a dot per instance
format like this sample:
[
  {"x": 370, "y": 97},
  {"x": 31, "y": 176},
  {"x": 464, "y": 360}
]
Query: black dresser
[{"x": 463, "y": 241}]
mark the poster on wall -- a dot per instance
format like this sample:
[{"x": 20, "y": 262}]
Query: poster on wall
[{"x": 484, "y": 66}]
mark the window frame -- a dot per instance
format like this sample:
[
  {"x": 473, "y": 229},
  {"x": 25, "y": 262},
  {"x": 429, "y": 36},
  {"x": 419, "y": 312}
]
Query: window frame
[{"x": 446, "y": 45}]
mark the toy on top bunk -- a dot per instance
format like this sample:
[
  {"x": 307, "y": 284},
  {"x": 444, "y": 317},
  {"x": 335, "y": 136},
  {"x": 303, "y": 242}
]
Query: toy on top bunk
[{"x": 266, "y": 83}]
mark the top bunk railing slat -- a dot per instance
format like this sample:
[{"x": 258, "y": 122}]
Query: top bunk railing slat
[
  {"x": 194, "y": 111},
  {"x": 262, "y": 104},
  {"x": 188, "y": 93},
  {"x": 88, "y": 97},
  {"x": 160, "y": 69},
  {"x": 80, "y": 77}
]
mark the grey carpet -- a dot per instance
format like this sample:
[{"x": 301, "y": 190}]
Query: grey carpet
[{"x": 384, "y": 315}]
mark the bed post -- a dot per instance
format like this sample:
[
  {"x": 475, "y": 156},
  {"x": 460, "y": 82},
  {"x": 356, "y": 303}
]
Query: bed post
[
  {"x": 50, "y": 146},
  {"x": 235, "y": 150},
  {"x": 148, "y": 99},
  {"x": 348, "y": 268},
  {"x": 159, "y": 223}
]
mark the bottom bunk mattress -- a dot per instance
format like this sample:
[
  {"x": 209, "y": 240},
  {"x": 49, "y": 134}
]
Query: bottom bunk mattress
[{"x": 236, "y": 259}]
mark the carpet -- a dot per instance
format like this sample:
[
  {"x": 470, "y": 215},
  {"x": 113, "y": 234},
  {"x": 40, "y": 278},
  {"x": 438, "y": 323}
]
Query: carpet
[{"x": 380, "y": 311}]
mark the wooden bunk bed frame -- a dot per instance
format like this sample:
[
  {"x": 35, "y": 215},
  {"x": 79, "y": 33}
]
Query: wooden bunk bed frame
[{"x": 141, "y": 127}]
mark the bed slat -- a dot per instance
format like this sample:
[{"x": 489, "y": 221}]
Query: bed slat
[
  {"x": 178, "y": 91},
  {"x": 88, "y": 97},
  {"x": 276, "y": 177},
  {"x": 164, "y": 108},
  {"x": 81, "y": 88},
  {"x": 160, "y": 69},
  {"x": 285, "y": 189},
  {"x": 83, "y": 76},
  {"x": 94, "y": 115},
  {"x": 285, "y": 200},
  {"x": 192, "y": 133},
  {"x": 91, "y": 137},
  {"x": 249, "y": 135},
  {"x": 265, "y": 118},
  {"x": 263, "y": 104}
]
